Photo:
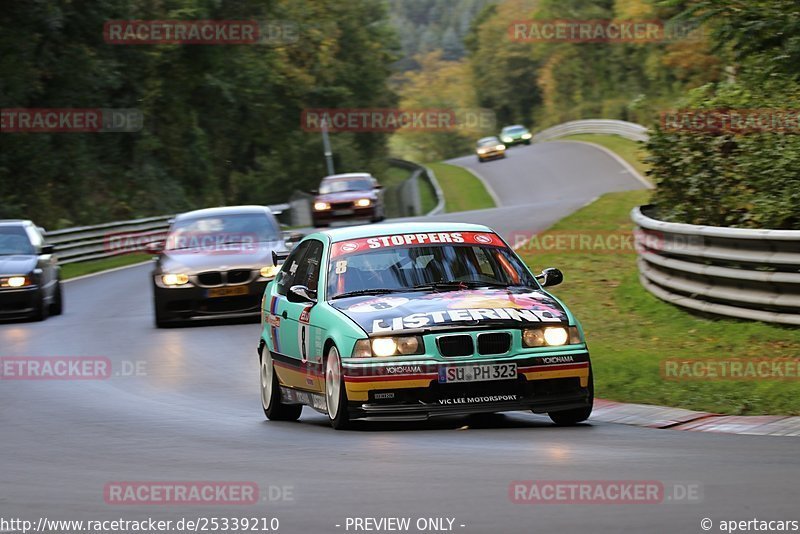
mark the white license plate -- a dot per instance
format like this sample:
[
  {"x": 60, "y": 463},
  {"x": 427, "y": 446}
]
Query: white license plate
[
  {"x": 478, "y": 373},
  {"x": 343, "y": 212}
]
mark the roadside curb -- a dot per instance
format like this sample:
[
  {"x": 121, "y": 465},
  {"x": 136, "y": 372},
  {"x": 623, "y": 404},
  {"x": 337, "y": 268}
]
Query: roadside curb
[{"x": 665, "y": 417}]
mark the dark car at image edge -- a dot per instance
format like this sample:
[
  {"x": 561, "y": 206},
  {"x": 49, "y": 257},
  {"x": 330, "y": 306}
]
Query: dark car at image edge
[{"x": 30, "y": 277}]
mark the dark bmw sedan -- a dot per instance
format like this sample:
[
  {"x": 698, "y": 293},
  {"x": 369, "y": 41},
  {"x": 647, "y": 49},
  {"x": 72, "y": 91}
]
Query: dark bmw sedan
[
  {"x": 215, "y": 263},
  {"x": 348, "y": 197},
  {"x": 30, "y": 285}
]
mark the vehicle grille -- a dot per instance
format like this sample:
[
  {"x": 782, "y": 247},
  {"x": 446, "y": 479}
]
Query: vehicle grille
[
  {"x": 341, "y": 205},
  {"x": 209, "y": 278},
  {"x": 239, "y": 276},
  {"x": 494, "y": 343},
  {"x": 452, "y": 346}
]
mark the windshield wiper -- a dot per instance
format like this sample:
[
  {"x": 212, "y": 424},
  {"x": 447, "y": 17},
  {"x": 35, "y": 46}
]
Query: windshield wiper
[
  {"x": 459, "y": 284},
  {"x": 376, "y": 291}
]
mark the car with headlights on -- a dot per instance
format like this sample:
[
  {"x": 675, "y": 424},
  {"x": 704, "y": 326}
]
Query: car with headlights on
[
  {"x": 347, "y": 197},
  {"x": 489, "y": 148},
  {"x": 515, "y": 135},
  {"x": 214, "y": 263},
  {"x": 416, "y": 320},
  {"x": 30, "y": 277}
]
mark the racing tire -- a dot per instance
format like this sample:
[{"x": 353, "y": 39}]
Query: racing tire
[
  {"x": 576, "y": 415},
  {"x": 335, "y": 392},
  {"x": 480, "y": 160},
  {"x": 57, "y": 306},
  {"x": 42, "y": 310},
  {"x": 528, "y": 142},
  {"x": 274, "y": 409}
]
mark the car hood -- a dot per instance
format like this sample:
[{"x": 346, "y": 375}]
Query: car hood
[
  {"x": 345, "y": 196},
  {"x": 415, "y": 311},
  {"x": 17, "y": 264},
  {"x": 198, "y": 261}
]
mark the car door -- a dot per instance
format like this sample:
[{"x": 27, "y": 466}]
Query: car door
[{"x": 300, "y": 340}]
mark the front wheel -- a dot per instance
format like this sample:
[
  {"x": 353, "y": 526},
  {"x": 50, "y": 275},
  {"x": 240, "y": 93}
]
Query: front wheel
[
  {"x": 335, "y": 392},
  {"x": 274, "y": 409},
  {"x": 57, "y": 306},
  {"x": 576, "y": 415}
]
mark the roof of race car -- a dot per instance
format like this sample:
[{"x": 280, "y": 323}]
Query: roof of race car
[{"x": 374, "y": 230}]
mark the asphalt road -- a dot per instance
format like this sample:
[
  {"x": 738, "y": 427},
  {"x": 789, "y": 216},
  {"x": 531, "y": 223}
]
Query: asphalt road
[{"x": 192, "y": 413}]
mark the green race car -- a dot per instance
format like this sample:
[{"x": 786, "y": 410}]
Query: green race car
[
  {"x": 515, "y": 135},
  {"x": 408, "y": 321}
]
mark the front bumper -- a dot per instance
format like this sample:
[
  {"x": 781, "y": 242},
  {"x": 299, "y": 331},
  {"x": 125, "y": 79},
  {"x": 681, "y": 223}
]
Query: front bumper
[
  {"x": 348, "y": 214},
  {"x": 197, "y": 303},
  {"x": 492, "y": 155},
  {"x": 18, "y": 303},
  {"x": 517, "y": 141},
  {"x": 413, "y": 391}
]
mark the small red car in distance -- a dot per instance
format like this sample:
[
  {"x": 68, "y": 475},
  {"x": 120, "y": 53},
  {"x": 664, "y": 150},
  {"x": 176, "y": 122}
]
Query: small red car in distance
[{"x": 347, "y": 197}]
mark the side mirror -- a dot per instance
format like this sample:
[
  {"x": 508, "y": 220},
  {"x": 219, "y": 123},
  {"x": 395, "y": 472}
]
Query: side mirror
[
  {"x": 154, "y": 247},
  {"x": 301, "y": 294},
  {"x": 550, "y": 277},
  {"x": 314, "y": 191},
  {"x": 378, "y": 187},
  {"x": 279, "y": 257},
  {"x": 48, "y": 249}
]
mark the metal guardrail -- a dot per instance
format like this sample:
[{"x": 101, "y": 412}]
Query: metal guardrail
[
  {"x": 86, "y": 243},
  {"x": 734, "y": 272},
  {"x": 427, "y": 174},
  {"x": 628, "y": 130}
]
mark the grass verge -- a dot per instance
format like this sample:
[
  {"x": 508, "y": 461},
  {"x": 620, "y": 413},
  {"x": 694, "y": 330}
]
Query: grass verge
[
  {"x": 462, "y": 191},
  {"x": 73, "y": 270},
  {"x": 630, "y": 331},
  {"x": 631, "y": 151}
]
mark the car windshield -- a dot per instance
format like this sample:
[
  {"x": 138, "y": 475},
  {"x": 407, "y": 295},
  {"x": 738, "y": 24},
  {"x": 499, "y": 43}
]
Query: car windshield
[
  {"x": 340, "y": 185},
  {"x": 489, "y": 141},
  {"x": 437, "y": 267},
  {"x": 515, "y": 129},
  {"x": 222, "y": 230},
  {"x": 14, "y": 240}
]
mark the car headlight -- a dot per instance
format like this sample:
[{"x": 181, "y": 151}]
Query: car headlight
[
  {"x": 482, "y": 150},
  {"x": 507, "y": 139},
  {"x": 321, "y": 206},
  {"x": 526, "y": 136},
  {"x": 363, "y": 202},
  {"x": 500, "y": 147},
  {"x": 382, "y": 347},
  {"x": 175, "y": 279},
  {"x": 17, "y": 281},
  {"x": 550, "y": 336},
  {"x": 269, "y": 271}
]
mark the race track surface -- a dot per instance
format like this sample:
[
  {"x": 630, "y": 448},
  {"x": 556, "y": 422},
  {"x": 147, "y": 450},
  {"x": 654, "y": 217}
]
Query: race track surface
[{"x": 193, "y": 414}]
